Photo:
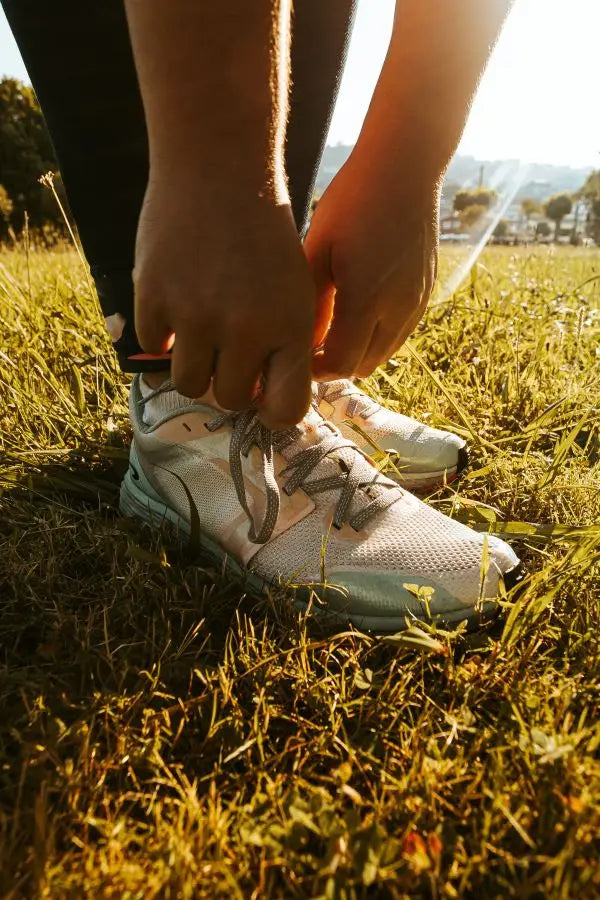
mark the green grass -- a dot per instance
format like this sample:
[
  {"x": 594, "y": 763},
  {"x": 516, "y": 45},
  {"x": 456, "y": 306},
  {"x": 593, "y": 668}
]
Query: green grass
[{"x": 162, "y": 735}]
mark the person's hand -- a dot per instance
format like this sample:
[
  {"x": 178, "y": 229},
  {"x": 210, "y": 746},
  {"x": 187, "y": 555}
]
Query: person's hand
[
  {"x": 373, "y": 252},
  {"x": 225, "y": 275}
]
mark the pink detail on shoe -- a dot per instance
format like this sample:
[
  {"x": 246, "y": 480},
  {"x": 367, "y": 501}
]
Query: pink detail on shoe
[{"x": 149, "y": 356}]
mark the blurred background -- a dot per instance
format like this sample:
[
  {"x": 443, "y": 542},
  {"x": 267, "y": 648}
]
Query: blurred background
[{"x": 525, "y": 170}]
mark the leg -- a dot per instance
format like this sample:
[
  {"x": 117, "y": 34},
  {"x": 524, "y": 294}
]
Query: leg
[
  {"x": 79, "y": 59},
  {"x": 320, "y": 36}
]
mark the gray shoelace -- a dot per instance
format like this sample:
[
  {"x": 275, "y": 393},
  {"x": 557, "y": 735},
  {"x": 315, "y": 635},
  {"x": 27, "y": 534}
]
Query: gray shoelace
[
  {"x": 249, "y": 432},
  {"x": 358, "y": 403}
]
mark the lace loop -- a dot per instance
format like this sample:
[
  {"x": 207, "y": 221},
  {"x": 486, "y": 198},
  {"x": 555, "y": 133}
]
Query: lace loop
[{"x": 358, "y": 402}]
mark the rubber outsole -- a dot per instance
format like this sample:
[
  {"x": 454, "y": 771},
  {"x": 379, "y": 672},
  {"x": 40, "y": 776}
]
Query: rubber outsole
[
  {"x": 424, "y": 482},
  {"x": 135, "y": 503}
]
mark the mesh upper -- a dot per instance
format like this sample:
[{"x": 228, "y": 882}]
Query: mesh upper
[
  {"x": 419, "y": 446},
  {"x": 211, "y": 488},
  {"x": 410, "y": 536}
]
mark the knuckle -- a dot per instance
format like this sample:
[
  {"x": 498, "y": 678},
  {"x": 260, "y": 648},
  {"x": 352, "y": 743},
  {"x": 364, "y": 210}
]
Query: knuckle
[
  {"x": 239, "y": 326},
  {"x": 282, "y": 417},
  {"x": 297, "y": 412}
]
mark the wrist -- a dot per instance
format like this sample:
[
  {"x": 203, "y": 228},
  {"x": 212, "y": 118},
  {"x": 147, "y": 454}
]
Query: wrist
[
  {"x": 216, "y": 199},
  {"x": 404, "y": 134},
  {"x": 403, "y": 174},
  {"x": 218, "y": 175}
]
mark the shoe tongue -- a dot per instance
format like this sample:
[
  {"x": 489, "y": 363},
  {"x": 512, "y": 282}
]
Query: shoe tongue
[{"x": 312, "y": 430}]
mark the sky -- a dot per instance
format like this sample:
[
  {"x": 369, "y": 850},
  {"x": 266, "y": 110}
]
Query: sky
[{"x": 538, "y": 100}]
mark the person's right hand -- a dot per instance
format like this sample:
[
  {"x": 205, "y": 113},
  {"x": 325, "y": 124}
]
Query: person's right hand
[{"x": 225, "y": 274}]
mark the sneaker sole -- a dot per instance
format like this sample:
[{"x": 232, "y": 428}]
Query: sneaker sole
[{"x": 135, "y": 503}]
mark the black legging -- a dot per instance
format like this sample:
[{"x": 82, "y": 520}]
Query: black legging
[{"x": 79, "y": 59}]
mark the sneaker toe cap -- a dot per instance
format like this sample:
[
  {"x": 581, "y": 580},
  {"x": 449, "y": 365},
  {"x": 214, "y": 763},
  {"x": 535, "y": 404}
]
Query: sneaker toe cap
[
  {"x": 428, "y": 449},
  {"x": 392, "y": 597}
]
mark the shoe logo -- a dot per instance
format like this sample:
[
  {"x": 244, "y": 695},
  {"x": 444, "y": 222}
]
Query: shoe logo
[
  {"x": 134, "y": 472},
  {"x": 195, "y": 530}
]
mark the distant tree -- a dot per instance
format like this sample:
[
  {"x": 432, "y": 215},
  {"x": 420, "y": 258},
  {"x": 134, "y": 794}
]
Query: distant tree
[
  {"x": 449, "y": 189},
  {"x": 590, "y": 193},
  {"x": 471, "y": 215},
  {"x": 593, "y": 221},
  {"x": 591, "y": 188},
  {"x": 530, "y": 207},
  {"x": 501, "y": 229},
  {"x": 556, "y": 208},
  {"x": 25, "y": 154},
  {"x": 542, "y": 229},
  {"x": 6, "y": 208},
  {"x": 484, "y": 197}
]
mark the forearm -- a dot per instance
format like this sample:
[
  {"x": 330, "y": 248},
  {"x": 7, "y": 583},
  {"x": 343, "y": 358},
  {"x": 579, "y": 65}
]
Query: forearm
[
  {"x": 436, "y": 57},
  {"x": 213, "y": 78}
]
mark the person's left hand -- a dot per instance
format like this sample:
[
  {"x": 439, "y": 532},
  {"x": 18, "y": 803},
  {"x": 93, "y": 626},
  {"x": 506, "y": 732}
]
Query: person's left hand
[{"x": 373, "y": 253}]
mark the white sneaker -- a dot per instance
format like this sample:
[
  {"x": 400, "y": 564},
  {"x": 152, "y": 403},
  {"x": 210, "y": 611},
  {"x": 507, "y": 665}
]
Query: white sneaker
[
  {"x": 424, "y": 458},
  {"x": 305, "y": 507}
]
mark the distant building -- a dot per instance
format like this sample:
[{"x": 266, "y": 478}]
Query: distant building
[{"x": 450, "y": 223}]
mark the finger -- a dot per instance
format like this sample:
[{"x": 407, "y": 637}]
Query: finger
[
  {"x": 192, "y": 364},
  {"x": 236, "y": 378},
  {"x": 382, "y": 346},
  {"x": 319, "y": 261},
  {"x": 378, "y": 351},
  {"x": 154, "y": 333},
  {"x": 345, "y": 346},
  {"x": 385, "y": 340},
  {"x": 287, "y": 391}
]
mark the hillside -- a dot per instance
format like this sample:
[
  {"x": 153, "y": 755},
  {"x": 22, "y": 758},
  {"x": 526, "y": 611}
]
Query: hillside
[{"x": 536, "y": 180}]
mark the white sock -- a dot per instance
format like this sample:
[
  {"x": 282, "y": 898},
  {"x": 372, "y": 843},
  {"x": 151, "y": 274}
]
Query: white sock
[{"x": 157, "y": 407}]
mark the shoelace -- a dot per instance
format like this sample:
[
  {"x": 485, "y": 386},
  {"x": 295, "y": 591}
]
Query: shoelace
[
  {"x": 358, "y": 402},
  {"x": 248, "y": 432}
]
